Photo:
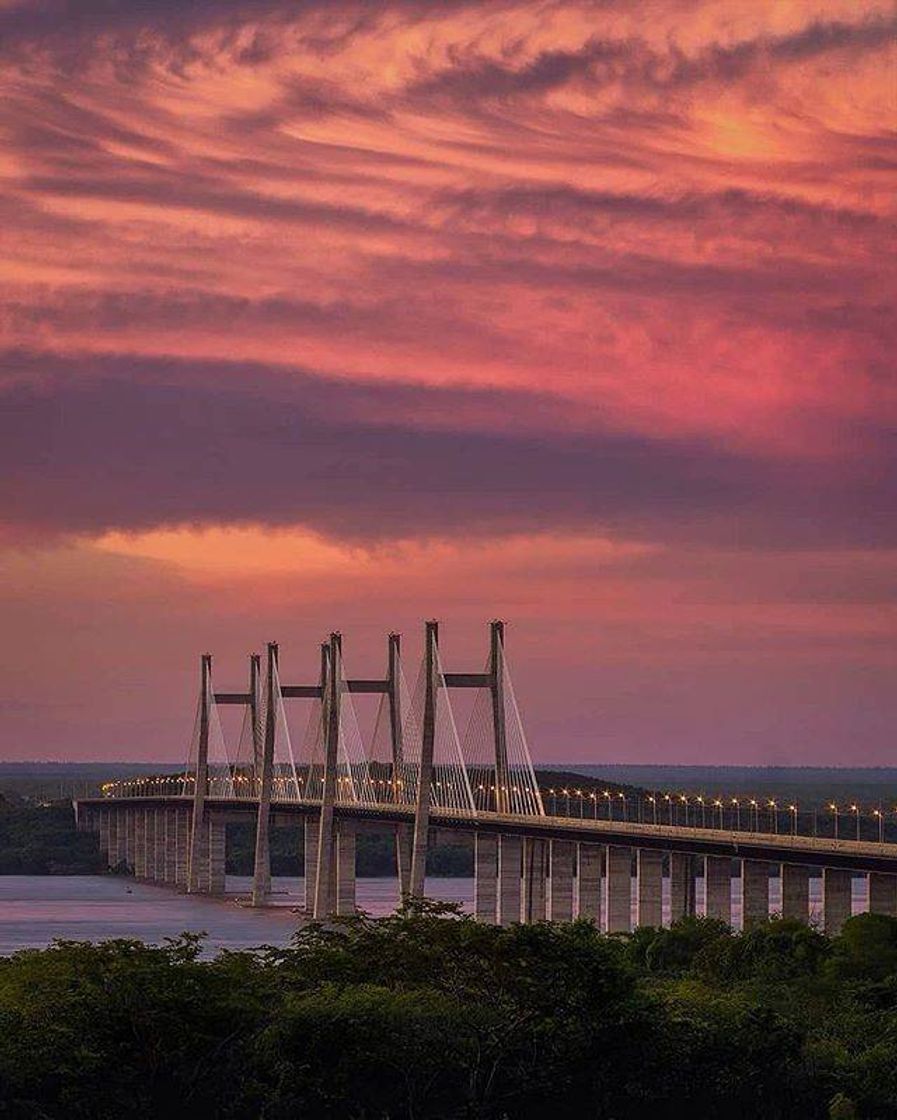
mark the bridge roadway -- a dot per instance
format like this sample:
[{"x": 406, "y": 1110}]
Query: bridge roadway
[{"x": 526, "y": 868}]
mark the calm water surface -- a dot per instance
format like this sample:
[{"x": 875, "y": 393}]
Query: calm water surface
[{"x": 35, "y": 909}]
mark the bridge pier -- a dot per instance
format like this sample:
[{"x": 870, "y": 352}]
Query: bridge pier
[
  {"x": 535, "y": 871},
  {"x": 161, "y": 834},
  {"x": 618, "y": 889},
  {"x": 140, "y": 861},
  {"x": 588, "y": 882},
  {"x": 264, "y": 753},
  {"x": 754, "y": 890},
  {"x": 103, "y": 833},
  {"x": 116, "y": 837},
  {"x": 718, "y": 888},
  {"x": 217, "y": 848},
  {"x": 485, "y": 876},
  {"x": 883, "y": 893},
  {"x": 836, "y": 899},
  {"x": 149, "y": 841},
  {"x": 182, "y": 849},
  {"x": 171, "y": 863},
  {"x": 795, "y": 892},
  {"x": 343, "y": 895},
  {"x": 160, "y": 849},
  {"x": 310, "y": 827},
  {"x": 649, "y": 900},
  {"x": 682, "y": 886},
  {"x": 199, "y": 856},
  {"x": 560, "y": 882},
  {"x": 404, "y": 844},
  {"x": 509, "y": 863}
]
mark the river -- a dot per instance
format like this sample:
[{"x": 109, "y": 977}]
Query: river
[{"x": 36, "y": 909}]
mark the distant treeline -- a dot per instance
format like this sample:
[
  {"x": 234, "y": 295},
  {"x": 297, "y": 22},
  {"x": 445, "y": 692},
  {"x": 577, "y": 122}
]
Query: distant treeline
[
  {"x": 375, "y": 853},
  {"x": 431, "y": 1016},
  {"x": 42, "y": 840}
]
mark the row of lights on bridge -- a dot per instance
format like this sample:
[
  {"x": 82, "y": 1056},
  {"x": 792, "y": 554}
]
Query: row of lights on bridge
[{"x": 753, "y": 805}]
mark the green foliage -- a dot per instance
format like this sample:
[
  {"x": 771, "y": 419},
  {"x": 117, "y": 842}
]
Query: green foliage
[
  {"x": 674, "y": 950},
  {"x": 842, "y": 1108},
  {"x": 867, "y": 948},
  {"x": 430, "y": 1015},
  {"x": 42, "y": 840}
]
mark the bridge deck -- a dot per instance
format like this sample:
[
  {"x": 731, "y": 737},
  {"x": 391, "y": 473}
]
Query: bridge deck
[{"x": 853, "y": 855}]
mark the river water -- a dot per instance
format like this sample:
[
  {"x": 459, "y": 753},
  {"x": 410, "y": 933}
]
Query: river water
[{"x": 36, "y": 909}]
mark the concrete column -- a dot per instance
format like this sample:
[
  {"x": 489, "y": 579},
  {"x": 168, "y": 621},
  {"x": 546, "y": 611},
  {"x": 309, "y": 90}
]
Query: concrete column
[
  {"x": 344, "y": 865},
  {"x": 310, "y": 858},
  {"x": 116, "y": 837},
  {"x": 588, "y": 882},
  {"x": 681, "y": 886},
  {"x": 171, "y": 856},
  {"x": 560, "y": 882},
  {"x": 217, "y": 854},
  {"x": 618, "y": 889},
  {"x": 754, "y": 888},
  {"x": 535, "y": 870},
  {"x": 836, "y": 908},
  {"x": 795, "y": 892},
  {"x": 161, "y": 846},
  {"x": 198, "y": 869},
  {"x": 425, "y": 765},
  {"x": 140, "y": 843},
  {"x": 149, "y": 828},
  {"x": 718, "y": 888},
  {"x": 485, "y": 882},
  {"x": 179, "y": 841},
  {"x": 131, "y": 837},
  {"x": 199, "y": 838},
  {"x": 404, "y": 842},
  {"x": 263, "y": 754},
  {"x": 650, "y": 888},
  {"x": 103, "y": 833},
  {"x": 510, "y": 854},
  {"x": 182, "y": 848},
  {"x": 883, "y": 893}
]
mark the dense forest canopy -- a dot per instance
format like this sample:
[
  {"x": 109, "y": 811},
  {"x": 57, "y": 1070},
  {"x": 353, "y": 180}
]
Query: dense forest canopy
[{"x": 428, "y": 1015}]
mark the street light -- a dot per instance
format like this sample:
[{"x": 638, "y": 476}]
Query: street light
[
  {"x": 737, "y": 805},
  {"x": 774, "y": 813},
  {"x": 594, "y": 798},
  {"x": 881, "y": 823},
  {"x": 719, "y": 805},
  {"x": 684, "y": 801},
  {"x": 834, "y": 809},
  {"x": 855, "y": 809},
  {"x": 610, "y": 805},
  {"x": 669, "y": 802},
  {"x": 700, "y": 801},
  {"x": 653, "y": 801},
  {"x": 622, "y": 797},
  {"x": 792, "y": 809}
]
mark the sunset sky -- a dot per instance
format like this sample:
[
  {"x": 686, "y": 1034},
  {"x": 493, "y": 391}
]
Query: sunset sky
[{"x": 342, "y": 316}]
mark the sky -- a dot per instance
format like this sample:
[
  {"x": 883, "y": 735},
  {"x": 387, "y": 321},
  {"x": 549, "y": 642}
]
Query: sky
[{"x": 323, "y": 315}]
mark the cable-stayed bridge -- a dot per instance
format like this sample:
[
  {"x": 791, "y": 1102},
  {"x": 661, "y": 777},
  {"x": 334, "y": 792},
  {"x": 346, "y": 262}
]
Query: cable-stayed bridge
[{"x": 413, "y": 773}]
